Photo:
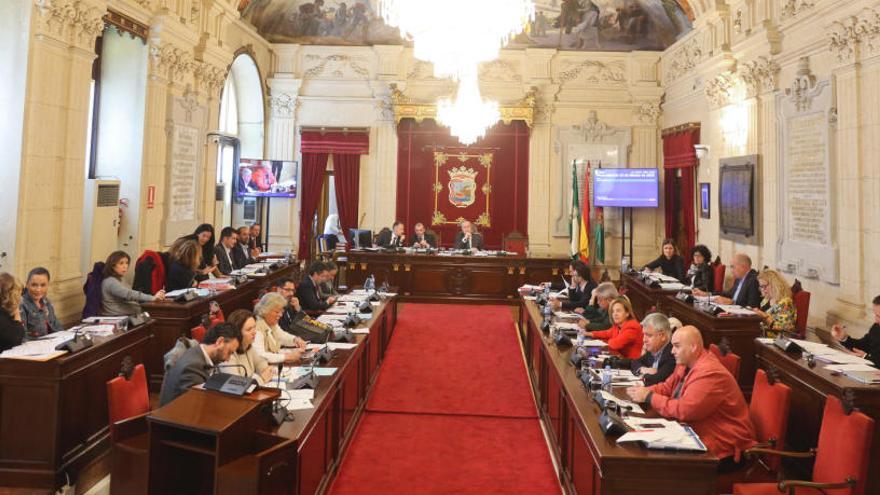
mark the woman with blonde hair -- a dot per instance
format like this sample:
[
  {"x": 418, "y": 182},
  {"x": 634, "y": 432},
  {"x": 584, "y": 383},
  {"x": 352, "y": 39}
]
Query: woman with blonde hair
[
  {"x": 250, "y": 363},
  {"x": 270, "y": 339},
  {"x": 11, "y": 328},
  {"x": 625, "y": 334},
  {"x": 777, "y": 307},
  {"x": 185, "y": 255}
]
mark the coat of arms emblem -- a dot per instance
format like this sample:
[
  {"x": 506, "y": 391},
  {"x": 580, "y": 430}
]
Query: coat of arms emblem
[{"x": 462, "y": 186}]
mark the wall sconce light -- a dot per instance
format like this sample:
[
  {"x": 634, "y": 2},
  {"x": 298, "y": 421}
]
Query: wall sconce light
[{"x": 702, "y": 150}]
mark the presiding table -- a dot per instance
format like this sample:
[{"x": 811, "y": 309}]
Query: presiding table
[
  {"x": 455, "y": 279},
  {"x": 53, "y": 414},
  {"x": 175, "y": 319},
  {"x": 235, "y": 448},
  {"x": 590, "y": 462},
  {"x": 809, "y": 387}
]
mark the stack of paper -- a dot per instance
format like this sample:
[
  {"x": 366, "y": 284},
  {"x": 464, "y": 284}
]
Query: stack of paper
[
  {"x": 672, "y": 285},
  {"x": 736, "y": 310},
  {"x": 659, "y": 433},
  {"x": 632, "y": 406}
]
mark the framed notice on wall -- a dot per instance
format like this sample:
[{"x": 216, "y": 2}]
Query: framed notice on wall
[
  {"x": 736, "y": 199},
  {"x": 705, "y": 200}
]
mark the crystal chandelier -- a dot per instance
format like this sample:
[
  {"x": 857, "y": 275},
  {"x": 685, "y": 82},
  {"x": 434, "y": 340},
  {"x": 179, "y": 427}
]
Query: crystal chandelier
[
  {"x": 456, "y": 36},
  {"x": 469, "y": 116}
]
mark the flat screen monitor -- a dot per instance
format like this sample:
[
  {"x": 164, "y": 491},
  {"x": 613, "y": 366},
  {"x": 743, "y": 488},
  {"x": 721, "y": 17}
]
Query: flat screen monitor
[
  {"x": 265, "y": 178},
  {"x": 360, "y": 238},
  {"x": 626, "y": 187}
]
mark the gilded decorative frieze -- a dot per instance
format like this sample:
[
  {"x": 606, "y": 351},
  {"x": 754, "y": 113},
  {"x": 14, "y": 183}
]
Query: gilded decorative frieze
[{"x": 406, "y": 108}]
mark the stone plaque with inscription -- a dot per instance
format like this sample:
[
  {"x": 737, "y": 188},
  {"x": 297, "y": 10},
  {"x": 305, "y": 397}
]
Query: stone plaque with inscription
[
  {"x": 186, "y": 128},
  {"x": 808, "y": 244}
]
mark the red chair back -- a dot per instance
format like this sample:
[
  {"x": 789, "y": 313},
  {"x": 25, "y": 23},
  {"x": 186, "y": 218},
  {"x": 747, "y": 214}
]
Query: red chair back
[
  {"x": 802, "y": 304},
  {"x": 769, "y": 413},
  {"x": 718, "y": 272},
  {"x": 198, "y": 333},
  {"x": 844, "y": 447},
  {"x": 216, "y": 318},
  {"x": 515, "y": 243},
  {"x": 128, "y": 398},
  {"x": 729, "y": 360}
]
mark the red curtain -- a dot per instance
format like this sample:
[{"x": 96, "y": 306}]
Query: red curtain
[
  {"x": 347, "y": 179},
  {"x": 680, "y": 161},
  {"x": 314, "y": 166},
  {"x": 506, "y": 205}
]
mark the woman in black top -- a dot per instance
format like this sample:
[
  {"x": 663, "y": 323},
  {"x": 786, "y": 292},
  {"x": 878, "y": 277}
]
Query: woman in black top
[
  {"x": 11, "y": 329},
  {"x": 670, "y": 262},
  {"x": 185, "y": 254},
  {"x": 204, "y": 236},
  {"x": 699, "y": 275}
]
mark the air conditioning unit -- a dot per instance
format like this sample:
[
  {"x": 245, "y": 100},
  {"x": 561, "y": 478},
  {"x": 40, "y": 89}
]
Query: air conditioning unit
[{"x": 100, "y": 230}]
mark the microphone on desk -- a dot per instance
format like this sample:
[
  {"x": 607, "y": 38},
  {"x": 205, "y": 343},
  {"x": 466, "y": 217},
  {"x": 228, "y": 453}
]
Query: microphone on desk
[
  {"x": 76, "y": 344},
  {"x": 229, "y": 383},
  {"x": 279, "y": 412}
]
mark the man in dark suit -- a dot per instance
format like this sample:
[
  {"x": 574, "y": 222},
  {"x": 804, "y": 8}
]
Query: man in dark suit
[
  {"x": 467, "y": 238},
  {"x": 195, "y": 365},
  {"x": 393, "y": 238},
  {"x": 223, "y": 250},
  {"x": 657, "y": 363},
  {"x": 307, "y": 290},
  {"x": 241, "y": 253},
  {"x": 745, "y": 291},
  {"x": 295, "y": 321},
  {"x": 423, "y": 239}
]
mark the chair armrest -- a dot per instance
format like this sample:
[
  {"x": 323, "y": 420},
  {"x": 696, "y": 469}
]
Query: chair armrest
[
  {"x": 128, "y": 428},
  {"x": 781, "y": 453},
  {"x": 790, "y": 485}
]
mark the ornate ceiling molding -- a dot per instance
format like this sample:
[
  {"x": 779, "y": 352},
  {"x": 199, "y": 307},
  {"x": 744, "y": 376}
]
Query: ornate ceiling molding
[
  {"x": 335, "y": 66},
  {"x": 209, "y": 77},
  {"x": 593, "y": 72},
  {"x": 684, "y": 59},
  {"x": 170, "y": 62},
  {"x": 499, "y": 71},
  {"x": 760, "y": 75},
  {"x": 724, "y": 89},
  {"x": 855, "y": 36},
  {"x": 75, "y": 22},
  {"x": 792, "y": 8},
  {"x": 406, "y": 108}
]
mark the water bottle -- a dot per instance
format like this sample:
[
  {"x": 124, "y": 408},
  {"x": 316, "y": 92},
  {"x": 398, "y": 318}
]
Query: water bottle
[
  {"x": 606, "y": 378},
  {"x": 581, "y": 339},
  {"x": 369, "y": 284},
  {"x": 585, "y": 364}
]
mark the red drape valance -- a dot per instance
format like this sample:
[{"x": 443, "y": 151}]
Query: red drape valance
[
  {"x": 337, "y": 142},
  {"x": 678, "y": 149}
]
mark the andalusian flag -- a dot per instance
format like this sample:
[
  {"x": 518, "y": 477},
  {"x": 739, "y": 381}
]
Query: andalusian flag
[
  {"x": 584, "y": 230},
  {"x": 600, "y": 233},
  {"x": 574, "y": 214}
]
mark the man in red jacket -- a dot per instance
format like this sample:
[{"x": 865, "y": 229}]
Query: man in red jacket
[{"x": 703, "y": 394}]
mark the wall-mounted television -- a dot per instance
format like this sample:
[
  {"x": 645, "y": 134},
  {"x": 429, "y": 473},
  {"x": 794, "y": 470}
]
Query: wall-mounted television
[
  {"x": 266, "y": 178},
  {"x": 626, "y": 187}
]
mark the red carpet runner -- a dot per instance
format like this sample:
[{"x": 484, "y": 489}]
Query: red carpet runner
[{"x": 451, "y": 411}]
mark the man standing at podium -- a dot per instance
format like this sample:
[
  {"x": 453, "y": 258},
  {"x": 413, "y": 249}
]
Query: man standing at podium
[
  {"x": 393, "y": 238},
  {"x": 423, "y": 240},
  {"x": 195, "y": 365},
  {"x": 467, "y": 238}
]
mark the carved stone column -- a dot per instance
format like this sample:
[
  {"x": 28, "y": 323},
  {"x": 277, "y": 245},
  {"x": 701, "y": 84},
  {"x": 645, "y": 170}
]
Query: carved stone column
[
  {"x": 283, "y": 104},
  {"x": 52, "y": 166},
  {"x": 645, "y": 153},
  {"x": 379, "y": 177},
  {"x": 541, "y": 158}
]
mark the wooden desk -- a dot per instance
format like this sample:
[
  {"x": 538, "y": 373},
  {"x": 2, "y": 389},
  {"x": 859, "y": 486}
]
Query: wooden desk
[
  {"x": 590, "y": 462},
  {"x": 458, "y": 279},
  {"x": 809, "y": 387},
  {"x": 642, "y": 297},
  {"x": 314, "y": 441},
  {"x": 175, "y": 319},
  {"x": 53, "y": 414}
]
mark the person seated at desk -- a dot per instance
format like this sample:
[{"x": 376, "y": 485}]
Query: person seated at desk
[
  {"x": 325, "y": 288},
  {"x": 271, "y": 339},
  {"x": 777, "y": 308},
  {"x": 307, "y": 290},
  {"x": 703, "y": 394},
  {"x": 392, "y": 239},
  {"x": 625, "y": 335},
  {"x": 580, "y": 292},
  {"x": 37, "y": 312},
  {"x": 117, "y": 297},
  {"x": 204, "y": 236},
  {"x": 195, "y": 365},
  {"x": 595, "y": 314},
  {"x": 467, "y": 238},
  {"x": 657, "y": 363},
  {"x": 185, "y": 256},
  {"x": 11, "y": 328},
  {"x": 241, "y": 254},
  {"x": 295, "y": 321},
  {"x": 246, "y": 361},
  {"x": 700, "y": 275},
  {"x": 223, "y": 250},
  {"x": 669, "y": 262},
  {"x": 422, "y": 239},
  {"x": 256, "y": 239},
  {"x": 745, "y": 291},
  {"x": 868, "y": 346}
]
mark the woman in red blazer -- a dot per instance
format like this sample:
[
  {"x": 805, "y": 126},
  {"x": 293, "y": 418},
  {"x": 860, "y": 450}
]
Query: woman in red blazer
[{"x": 625, "y": 334}]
